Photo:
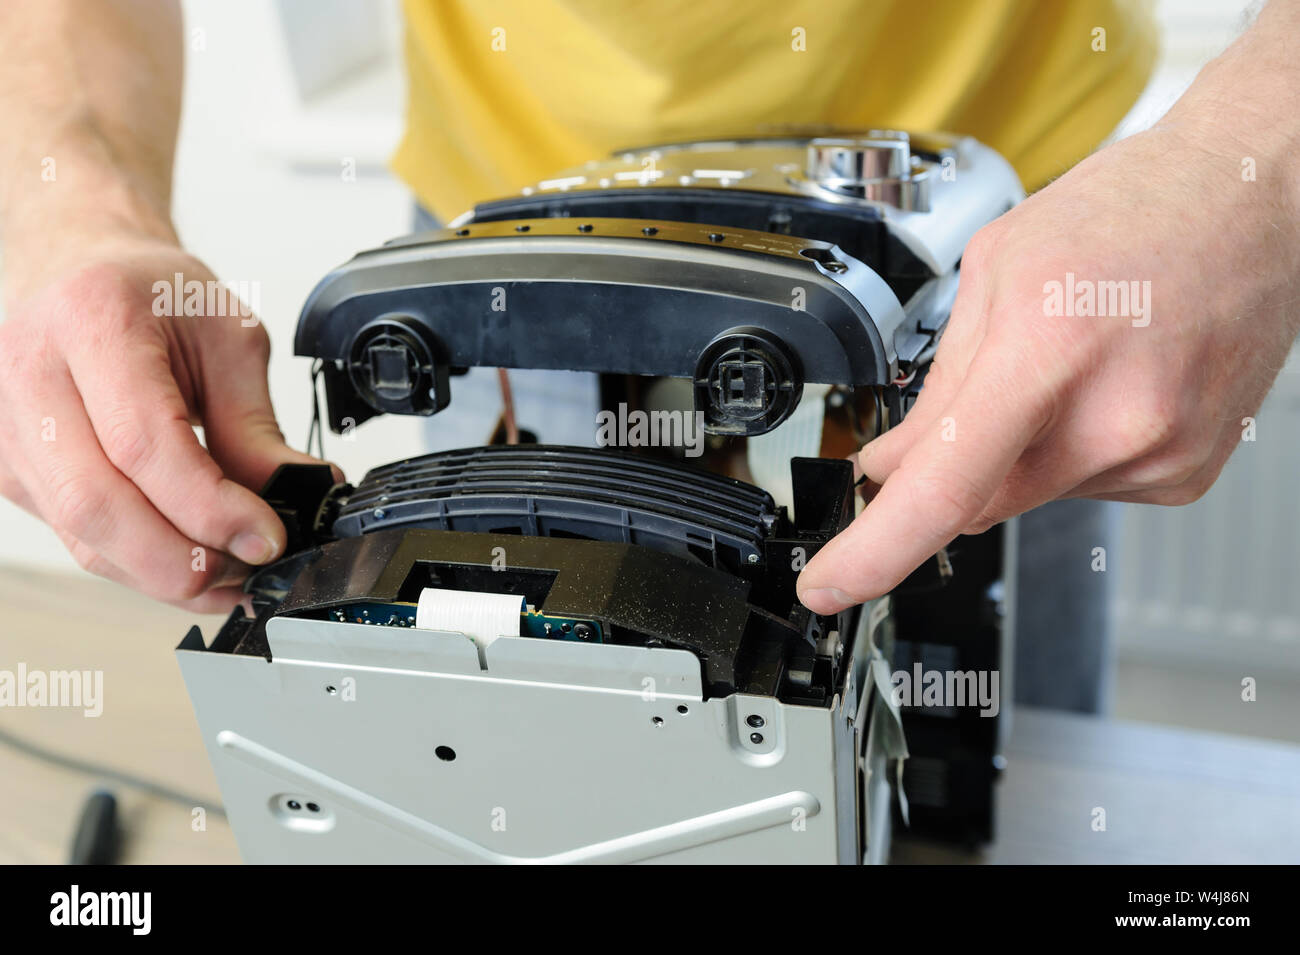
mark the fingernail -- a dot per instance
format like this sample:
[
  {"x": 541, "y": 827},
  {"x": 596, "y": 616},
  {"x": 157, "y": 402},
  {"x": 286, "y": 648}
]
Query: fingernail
[
  {"x": 826, "y": 600},
  {"x": 253, "y": 548}
]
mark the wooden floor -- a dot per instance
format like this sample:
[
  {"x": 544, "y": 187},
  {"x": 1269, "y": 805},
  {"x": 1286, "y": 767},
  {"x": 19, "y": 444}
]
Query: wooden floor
[
  {"x": 147, "y": 729},
  {"x": 1169, "y": 795}
]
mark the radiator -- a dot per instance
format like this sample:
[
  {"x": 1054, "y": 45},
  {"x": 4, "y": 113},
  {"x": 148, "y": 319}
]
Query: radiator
[{"x": 1218, "y": 580}]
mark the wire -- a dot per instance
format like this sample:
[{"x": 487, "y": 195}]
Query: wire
[
  {"x": 317, "y": 432},
  {"x": 508, "y": 407},
  {"x": 89, "y": 768}
]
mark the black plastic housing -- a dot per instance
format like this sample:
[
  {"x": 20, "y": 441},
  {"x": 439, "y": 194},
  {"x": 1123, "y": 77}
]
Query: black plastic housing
[
  {"x": 616, "y": 296},
  {"x": 745, "y": 625}
]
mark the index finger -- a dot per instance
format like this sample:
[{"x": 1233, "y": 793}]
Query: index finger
[
  {"x": 940, "y": 487},
  {"x": 143, "y": 426}
]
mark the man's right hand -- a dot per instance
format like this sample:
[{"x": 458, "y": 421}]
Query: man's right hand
[{"x": 99, "y": 396}]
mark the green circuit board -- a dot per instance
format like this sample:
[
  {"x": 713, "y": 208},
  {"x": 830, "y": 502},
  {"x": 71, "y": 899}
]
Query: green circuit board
[{"x": 531, "y": 623}]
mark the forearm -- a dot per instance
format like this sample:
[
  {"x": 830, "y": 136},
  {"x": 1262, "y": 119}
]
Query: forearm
[
  {"x": 1245, "y": 106},
  {"x": 89, "y": 108}
]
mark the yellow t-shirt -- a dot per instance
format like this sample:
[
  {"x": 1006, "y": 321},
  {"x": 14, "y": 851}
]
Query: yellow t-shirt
[{"x": 506, "y": 92}]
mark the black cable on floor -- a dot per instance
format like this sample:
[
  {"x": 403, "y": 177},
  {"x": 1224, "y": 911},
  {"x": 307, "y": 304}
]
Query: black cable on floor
[{"x": 105, "y": 772}]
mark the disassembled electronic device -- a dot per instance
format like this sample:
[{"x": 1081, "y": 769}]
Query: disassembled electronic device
[{"x": 536, "y": 653}]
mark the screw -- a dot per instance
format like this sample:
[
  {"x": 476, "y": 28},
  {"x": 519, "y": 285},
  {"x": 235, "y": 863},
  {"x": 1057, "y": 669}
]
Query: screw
[
  {"x": 379, "y": 513},
  {"x": 756, "y": 738},
  {"x": 752, "y": 558},
  {"x": 294, "y": 804},
  {"x": 756, "y": 721}
]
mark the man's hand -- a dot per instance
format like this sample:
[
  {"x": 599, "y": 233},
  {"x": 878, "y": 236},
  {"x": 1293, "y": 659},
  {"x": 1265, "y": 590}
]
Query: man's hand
[
  {"x": 98, "y": 391},
  {"x": 1031, "y": 398},
  {"x": 99, "y": 394}
]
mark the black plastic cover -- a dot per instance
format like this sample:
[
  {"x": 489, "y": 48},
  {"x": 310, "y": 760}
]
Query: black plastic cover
[
  {"x": 631, "y": 297},
  {"x": 745, "y": 625},
  {"x": 578, "y": 493}
]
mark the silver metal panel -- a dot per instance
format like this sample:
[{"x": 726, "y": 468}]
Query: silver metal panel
[{"x": 560, "y": 754}]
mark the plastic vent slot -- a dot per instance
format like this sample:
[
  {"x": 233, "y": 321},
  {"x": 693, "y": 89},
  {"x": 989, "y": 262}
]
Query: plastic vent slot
[{"x": 584, "y": 493}]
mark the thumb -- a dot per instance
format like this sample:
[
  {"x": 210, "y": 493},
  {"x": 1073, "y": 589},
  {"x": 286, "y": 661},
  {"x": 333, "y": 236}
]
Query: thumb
[{"x": 239, "y": 423}]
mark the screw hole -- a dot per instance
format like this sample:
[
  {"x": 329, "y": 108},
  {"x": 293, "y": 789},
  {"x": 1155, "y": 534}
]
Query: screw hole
[
  {"x": 445, "y": 753},
  {"x": 650, "y": 230},
  {"x": 294, "y": 804},
  {"x": 312, "y": 807},
  {"x": 756, "y": 738},
  {"x": 683, "y": 709},
  {"x": 585, "y": 227},
  {"x": 657, "y": 720},
  {"x": 462, "y": 232},
  {"x": 331, "y": 690},
  {"x": 825, "y": 259},
  {"x": 755, "y": 720},
  {"x": 522, "y": 228},
  {"x": 716, "y": 237}
]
